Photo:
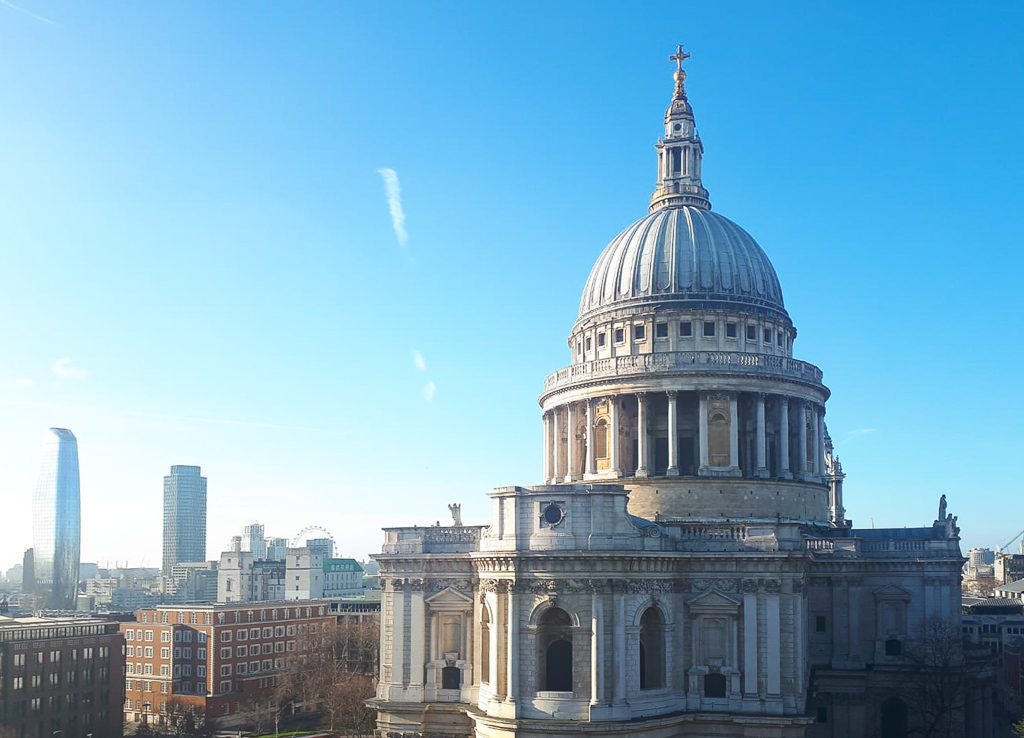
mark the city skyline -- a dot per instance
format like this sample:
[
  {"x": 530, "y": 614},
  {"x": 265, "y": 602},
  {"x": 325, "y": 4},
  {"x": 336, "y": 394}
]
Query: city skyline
[{"x": 364, "y": 225}]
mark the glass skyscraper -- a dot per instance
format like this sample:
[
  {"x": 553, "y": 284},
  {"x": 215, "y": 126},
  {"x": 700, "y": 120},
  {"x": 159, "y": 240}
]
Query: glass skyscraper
[
  {"x": 184, "y": 517},
  {"x": 57, "y": 521}
]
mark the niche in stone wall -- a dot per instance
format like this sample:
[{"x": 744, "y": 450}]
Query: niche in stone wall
[{"x": 718, "y": 431}]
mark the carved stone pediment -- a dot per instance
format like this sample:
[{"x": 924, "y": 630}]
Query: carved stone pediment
[
  {"x": 713, "y": 602},
  {"x": 891, "y": 592},
  {"x": 449, "y": 599}
]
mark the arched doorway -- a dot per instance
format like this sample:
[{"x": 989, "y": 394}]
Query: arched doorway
[{"x": 894, "y": 718}]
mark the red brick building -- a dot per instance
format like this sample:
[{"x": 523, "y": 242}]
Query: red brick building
[
  {"x": 222, "y": 659},
  {"x": 60, "y": 677}
]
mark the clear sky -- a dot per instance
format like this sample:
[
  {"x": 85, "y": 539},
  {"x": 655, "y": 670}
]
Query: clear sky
[{"x": 198, "y": 264}]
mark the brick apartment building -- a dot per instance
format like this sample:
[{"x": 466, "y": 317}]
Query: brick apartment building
[
  {"x": 60, "y": 677},
  {"x": 220, "y": 659}
]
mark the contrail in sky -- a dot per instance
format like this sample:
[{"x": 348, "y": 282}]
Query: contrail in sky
[
  {"x": 38, "y": 17},
  {"x": 394, "y": 193}
]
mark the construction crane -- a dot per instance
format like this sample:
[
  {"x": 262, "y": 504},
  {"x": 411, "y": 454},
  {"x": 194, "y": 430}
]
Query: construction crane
[{"x": 1009, "y": 542}]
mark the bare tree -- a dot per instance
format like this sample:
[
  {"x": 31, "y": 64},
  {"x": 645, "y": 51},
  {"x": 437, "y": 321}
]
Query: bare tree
[
  {"x": 187, "y": 721},
  {"x": 332, "y": 673},
  {"x": 940, "y": 681}
]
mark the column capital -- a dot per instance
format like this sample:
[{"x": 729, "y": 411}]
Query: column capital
[{"x": 672, "y": 394}]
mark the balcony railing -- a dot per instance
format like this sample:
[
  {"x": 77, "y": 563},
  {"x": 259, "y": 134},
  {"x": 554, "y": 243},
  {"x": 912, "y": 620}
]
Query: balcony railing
[{"x": 684, "y": 361}]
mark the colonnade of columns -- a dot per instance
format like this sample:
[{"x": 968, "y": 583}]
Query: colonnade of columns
[{"x": 571, "y": 443}]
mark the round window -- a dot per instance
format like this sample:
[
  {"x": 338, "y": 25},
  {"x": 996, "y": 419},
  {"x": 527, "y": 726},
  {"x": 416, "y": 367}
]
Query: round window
[
  {"x": 678, "y": 127},
  {"x": 553, "y": 514}
]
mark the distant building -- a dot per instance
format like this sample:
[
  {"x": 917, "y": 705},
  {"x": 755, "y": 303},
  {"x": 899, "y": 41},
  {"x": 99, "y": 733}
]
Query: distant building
[
  {"x": 61, "y": 677},
  {"x": 254, "y": 542},
  {"x": 219, "y": 659},
  {"x": 321, "y": 546},
  {"x": 194, "y": 581},
  {"x": 1009, "y": 568},
  {"x": 184, "y": 516},
  {"x": 28, "y": 572},
  {"x": 56, "y": 522},
  {"x": 277, "y": 548},
  {"x": 302, "y": 574}
]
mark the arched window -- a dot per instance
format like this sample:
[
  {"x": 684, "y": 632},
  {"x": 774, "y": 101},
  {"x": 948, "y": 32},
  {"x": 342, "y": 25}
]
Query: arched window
[
  {"x": 485, "y": 645},
  {"x": 652, "y": 649},
  {"x": 714, "y": 685},
  {"x": 554, "y": 645},
  {"x": 601, "y": 439},
  {"x": 894, "y": 718}
]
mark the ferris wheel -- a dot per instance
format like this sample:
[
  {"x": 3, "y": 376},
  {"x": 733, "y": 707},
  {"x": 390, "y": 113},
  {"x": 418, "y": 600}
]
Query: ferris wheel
[{"x": 311, "y": 531}]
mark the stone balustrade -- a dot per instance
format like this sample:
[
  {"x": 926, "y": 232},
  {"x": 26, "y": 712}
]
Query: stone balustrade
[
  {"x": 894, "y": 546},
  {"x": 684, "y": 361},
  {"x": 432, "y": 539}
]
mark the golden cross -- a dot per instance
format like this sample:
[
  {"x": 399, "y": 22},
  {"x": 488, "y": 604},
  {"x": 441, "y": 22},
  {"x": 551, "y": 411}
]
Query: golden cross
[{"x": 679, "y": 56}]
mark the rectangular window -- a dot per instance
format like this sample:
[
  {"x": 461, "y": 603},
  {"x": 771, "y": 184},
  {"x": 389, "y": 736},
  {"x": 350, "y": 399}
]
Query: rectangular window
[
  {"x": 600, "y": 339},
  {"x": 129, "y": 651},
  {"x": 686, "y": 329},
  {"x": 254, "y": 632},
  {"x": 751, "y": 332},
  {"x": 226, "y": 636},
  {"x": 225, "y": 686},
  {"x": 780, "y": 338},
  {"x": 822, "y": 714},
  {"x": 268, "y": 632},
  {"x": 149, "y": 652},
  {"x": 225, "y": 653},
  {"x": 165, "y": 636},
  {"x": 709, "y": 328},
  {"x": 767, "y": 335},
  {"x": 165, "y": 670},
  {"x": 165, "y": 653},
  {"x": 639, "y": 332},
  {"x": 661, "y": 330},
  {"x": 820, "y": 624},
  {"x": 730, "y": 330},
  {"x": 586, "y": 344},
  {"x": 619, "y": 335},
  {"x": 149, "y": 635}
]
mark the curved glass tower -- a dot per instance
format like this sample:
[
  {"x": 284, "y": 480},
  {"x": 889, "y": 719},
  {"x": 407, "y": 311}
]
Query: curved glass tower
[{"x": 56, "y": 521}]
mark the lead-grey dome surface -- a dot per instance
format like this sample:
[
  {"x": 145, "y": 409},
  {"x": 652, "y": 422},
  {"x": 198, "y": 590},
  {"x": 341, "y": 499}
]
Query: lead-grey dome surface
[{"x": 683, "y": 254}]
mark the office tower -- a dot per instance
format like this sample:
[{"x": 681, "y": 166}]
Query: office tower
[
  {"x": 253, "y": 541},
  {"x": 56, "y": 521},
  {"x": 277, "y": 548},
  {"x": 184, "y": 517}
]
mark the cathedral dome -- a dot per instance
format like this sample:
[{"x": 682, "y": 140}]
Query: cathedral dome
[{"x": 684, "y": 255}]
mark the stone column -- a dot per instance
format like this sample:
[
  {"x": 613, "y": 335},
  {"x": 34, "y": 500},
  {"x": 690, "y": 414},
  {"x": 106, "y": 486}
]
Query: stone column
[
  {"x": 750, "y": 643},
  {"x": 819, "y": 442},
  {"x": 773, "y": 656},
  {"x": 801, "y": 451},
  {"x": 417, "y": 628},
  {"x": 702, "y": 432},
  {"x": 596, "y": 649},
  {"x": 613, "y": 432},
  {"x": 641, "y": 434},
  {"x": 547, "y": 448},
  {"x": 570, "y": 441},
  {"x": 619, "y": 634},
  {"x": 762, "y": 462},
  {"x": 784, "y": 438},
  {"x": 512, "y": 658},
  {"x": 673, "y": 434},
  {"x": 398, "y": 641},
  {"x": 556, "y": 441},
  {"x": 495, "y": 643},
  {"x": 734, "y": 431},
  {"x": 591, "y": 456}
]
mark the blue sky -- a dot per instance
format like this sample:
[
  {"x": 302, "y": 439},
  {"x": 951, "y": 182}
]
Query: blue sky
[{"x": 198, "y": 264}]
